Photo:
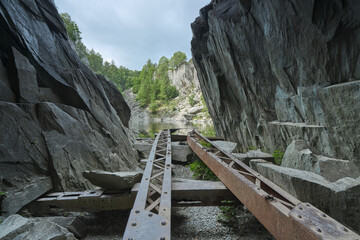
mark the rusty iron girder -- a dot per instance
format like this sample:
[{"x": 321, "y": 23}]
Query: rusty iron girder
[
  {"x": 151, "y": 214},
  {"x": 284, "y": 216},
  {"x": 185, "y": 193}
]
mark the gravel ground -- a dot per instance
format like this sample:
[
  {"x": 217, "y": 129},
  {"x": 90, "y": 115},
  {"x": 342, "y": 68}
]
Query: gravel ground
[{"x": 199, "y": 223}]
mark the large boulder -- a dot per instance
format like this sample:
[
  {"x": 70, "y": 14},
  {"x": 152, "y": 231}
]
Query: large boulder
[
  {"x": 72, "y": 224},
  {"x": 118, "y": 181},
  {"x": 339, "y": 199},
  {"x": 300, "y": 156},
  {"x": 18, "y": 227},
  {"x": 276, "y": 71},
  {"x": 225, "y": 145},
  {"x": 195, "y": 110},
  {"x": 32, "y": 188},
  {"x": 57, "y": 117}
]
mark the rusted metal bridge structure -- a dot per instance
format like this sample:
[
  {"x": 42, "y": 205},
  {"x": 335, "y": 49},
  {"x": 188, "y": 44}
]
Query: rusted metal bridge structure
[{"x": 284, "y": 216}]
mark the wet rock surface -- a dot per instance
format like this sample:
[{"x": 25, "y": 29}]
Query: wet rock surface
[
  {"x": 57, "y": 117},
  {"x": 272, "y": 72}
]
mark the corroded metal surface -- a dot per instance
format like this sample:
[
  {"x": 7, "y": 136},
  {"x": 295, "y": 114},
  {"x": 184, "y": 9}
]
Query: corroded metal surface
[
  {"x": 276, "y": 209},
  {"x": 151, "y": 213},
  {"x": 184, "y": 193}
]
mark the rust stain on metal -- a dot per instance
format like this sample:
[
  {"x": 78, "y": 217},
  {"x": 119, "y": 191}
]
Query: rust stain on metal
[
  {"x": 151, "y": 213},
  {"x": 284, "y": 216}
]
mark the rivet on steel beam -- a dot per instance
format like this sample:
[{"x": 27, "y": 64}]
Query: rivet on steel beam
[
  {"x": 168, "y": 165},
  {"x": 162, "y": 238},
  {"x": 323, "y": 215},
  {"x": 308, "y": 205},
  {"x": 163, "y": 223},
  {"x": 137, "y": 211},
  {"x": 146, "y": 179},
  {"x": 130, "y": 238},
  {"x": 165, "y": 192},
  {"x": 150, "y": 214},
  {"x": 258, "y": 188},
  {"x": 299, "y": 216},
  {"x": 318, "y": 230},
  {"x": 344, "y": 229},
  {"x": 133, "y": 224}
]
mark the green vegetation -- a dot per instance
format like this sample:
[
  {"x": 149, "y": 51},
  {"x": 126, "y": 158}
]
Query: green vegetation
[
  {"x": 152, "y": 84},
  {"x": 201, "y": 171},
  {"x": 176, "y": 59},
  {"x": 228, "y": 213},
  {"x": 278, "y": 155},
  {"x": 204, "y": 143},
  {"x": 191, "y": 100}
]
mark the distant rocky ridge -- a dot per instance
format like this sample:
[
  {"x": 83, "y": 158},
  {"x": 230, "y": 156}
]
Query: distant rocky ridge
[
  {"x": 184, "y": 77},
  {"x": 57, "y": 118}
]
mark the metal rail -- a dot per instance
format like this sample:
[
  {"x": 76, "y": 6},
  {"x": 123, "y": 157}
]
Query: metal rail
[
  {"x": 284, "y": 216},
  {"x": 151, "y": 213}
]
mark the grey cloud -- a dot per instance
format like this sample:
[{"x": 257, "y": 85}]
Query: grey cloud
[{"x": 132, "y": 31}]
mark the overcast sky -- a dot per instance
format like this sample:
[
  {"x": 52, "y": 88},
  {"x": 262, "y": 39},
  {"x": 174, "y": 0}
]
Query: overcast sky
[{"x": 132, "y": 31}]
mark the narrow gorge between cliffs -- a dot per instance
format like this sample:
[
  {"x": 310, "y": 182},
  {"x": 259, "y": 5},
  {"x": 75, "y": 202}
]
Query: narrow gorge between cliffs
[{"x": 87, "y": 86}]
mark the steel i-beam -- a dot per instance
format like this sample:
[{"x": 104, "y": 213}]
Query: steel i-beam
[
  {"x": 284, "y": 216},
  {"x": 151, "y": 213}
]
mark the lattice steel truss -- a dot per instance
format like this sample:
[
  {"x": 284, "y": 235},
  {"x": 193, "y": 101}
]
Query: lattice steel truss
[
  {"x": 151, "y": 213},
  {"x": 282, "y": 214}
]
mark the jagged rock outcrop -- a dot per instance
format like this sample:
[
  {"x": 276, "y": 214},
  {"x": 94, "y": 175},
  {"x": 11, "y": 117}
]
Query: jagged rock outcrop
[
  {"x": 18, "y": 227},
  {"x": 57, "y": 118},
  {"x": 184, "y": 77},
  {"x": 275, "y": 71}
]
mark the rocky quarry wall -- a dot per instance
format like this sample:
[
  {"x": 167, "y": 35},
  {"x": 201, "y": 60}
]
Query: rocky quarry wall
[
  {"x": 273, "y": 72},
  {"x": 184, "y": 77},
  {"x": 57, "y": 118}
]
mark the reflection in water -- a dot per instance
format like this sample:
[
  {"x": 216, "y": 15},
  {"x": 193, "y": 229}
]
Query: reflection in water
[{"x": 149, "y": 128}]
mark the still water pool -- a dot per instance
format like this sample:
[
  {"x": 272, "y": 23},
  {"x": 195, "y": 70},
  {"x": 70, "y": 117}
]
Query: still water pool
[{"x": 148, "y": 129}]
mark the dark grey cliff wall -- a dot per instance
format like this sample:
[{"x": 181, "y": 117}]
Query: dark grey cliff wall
[
  {"x": 274, "y": 71},
  {"x": 57, "y": 118}
]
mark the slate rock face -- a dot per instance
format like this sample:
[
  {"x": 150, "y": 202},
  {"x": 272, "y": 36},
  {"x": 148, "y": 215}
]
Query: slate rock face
[
  {"x": 18, "y": 227},
  {"x": 57, "y": 118},
  {"x": 276, "y": 71},
  {"x": 300, "y": 156}
]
